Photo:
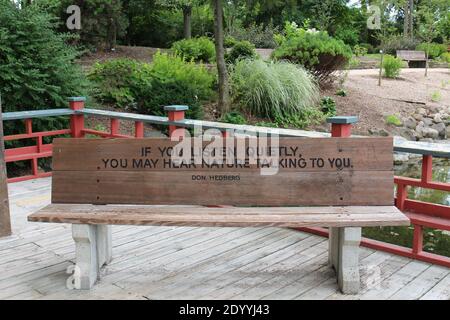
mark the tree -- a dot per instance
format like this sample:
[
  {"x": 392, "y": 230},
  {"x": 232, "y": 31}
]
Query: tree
[
  {"x": 186, "y": 7},
  {"x": 5, "y": 220},
  {"x": 224, "y": 100},
  {"x": 428, "y": 13}
]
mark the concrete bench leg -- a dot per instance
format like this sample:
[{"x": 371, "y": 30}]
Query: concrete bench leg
[
  {"x": 92, "y": 251},
  {"x": 344, "y": 257}
]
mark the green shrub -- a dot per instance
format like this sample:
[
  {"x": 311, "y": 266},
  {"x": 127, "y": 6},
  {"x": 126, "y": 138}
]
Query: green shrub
[
  {"x": 392, "y": 66},
  {"x": 272, "y": 89},
  {"x": 177, "y": 81},
  {"x": 241, "y": 50},
  {"x": 328, "y": 106},
  {"x": 359, "y": 50},
  {"x": 434, "y": 49},
  {"x": 234, "y": 117},
  {"x": 198, "y": 49},
  {"x": 393, "y": 120},
  {"x": 436, "y": 96},
  {"x": 341, "y": 93},
  {"x": 445, "y": 57},
  {"x": 309, "y": 116},
  {"x": 229, "y": 41},
  {"x": 122, "y": 82},
  {"x": 315, "y": 50},
  {"x": 37, "y": 69}
]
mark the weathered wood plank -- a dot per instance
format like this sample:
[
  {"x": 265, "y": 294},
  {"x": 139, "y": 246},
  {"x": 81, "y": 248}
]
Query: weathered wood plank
[
  {"x": 92, "y": 154},
  {"x": 294, "y": 188},
  {"x": 205, "y": 216}
]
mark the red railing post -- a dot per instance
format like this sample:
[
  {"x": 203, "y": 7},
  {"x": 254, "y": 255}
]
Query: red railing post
[
  {"x": 115, "y": 125},
  {"x": 175, "y": 113},
  {"x": 401, "y": 195},
  {"x": 427, "y": 168},
  {"x": 417, "y": 246},
  {"x": 138, "y": 129},
  {"x": 341, "y": 127},
  {"x": 77, "y": 120}
]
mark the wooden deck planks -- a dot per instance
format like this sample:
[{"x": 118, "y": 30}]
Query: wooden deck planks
[{"x": 156, "y": 262}]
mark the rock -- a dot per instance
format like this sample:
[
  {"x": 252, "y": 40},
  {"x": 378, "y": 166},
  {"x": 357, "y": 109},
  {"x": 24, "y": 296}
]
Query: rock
[
  {"x": 448, "y": 131},
  {"x": 421, "y": 111},
  {"x": 437, "y": 118},
  {"x": 418, "y": 117},
  {"x": 400, "y": 157},
  {"x": 381, "y": 132},
  {"x": 426, "y": 140},
  {"x": 427, "y": 122},
  {"x": 410, "y": 123},
  {"x": 433, "y": 109},
  {"x": 440, "y": 127},
  {"x": 430, "y": 133},
  {"x": 409, "y": 134}
]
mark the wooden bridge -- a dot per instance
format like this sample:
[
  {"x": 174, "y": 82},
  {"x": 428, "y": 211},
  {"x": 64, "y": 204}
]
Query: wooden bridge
[{"x": 209, "y": 263}]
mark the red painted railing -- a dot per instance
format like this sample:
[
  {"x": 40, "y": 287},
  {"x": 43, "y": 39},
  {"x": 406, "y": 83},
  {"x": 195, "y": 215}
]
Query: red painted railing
[{"x": 422, "y": 214}]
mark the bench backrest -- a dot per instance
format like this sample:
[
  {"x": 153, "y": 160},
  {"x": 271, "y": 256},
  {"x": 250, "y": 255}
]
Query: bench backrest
[
  {"x": 311, "y": 171},
  {"x": 411, "y": 55}
]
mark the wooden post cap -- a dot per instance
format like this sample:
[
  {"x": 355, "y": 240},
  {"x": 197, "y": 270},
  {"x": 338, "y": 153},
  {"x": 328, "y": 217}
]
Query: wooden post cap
[
  {"x": 76, "y": 99},
  {"x": 176, "y": 108},
  {"x": 342, "y": 119}
]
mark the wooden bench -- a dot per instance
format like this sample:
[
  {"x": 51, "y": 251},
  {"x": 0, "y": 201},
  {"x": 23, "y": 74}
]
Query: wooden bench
[
  {"x": 340, "y": 183},
  {"x": 415, "y": 59}
]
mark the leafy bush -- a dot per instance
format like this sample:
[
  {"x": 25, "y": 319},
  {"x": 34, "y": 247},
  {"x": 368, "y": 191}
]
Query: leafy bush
[
  {"x": 393, "y": 120},
  {"x": 398, "y": 42},
  {"x": 309, "y": 116},
  {"x": 328, "y": 106},
  {"x": 445, "y": 57},
  {"x": 122, "y": 81},
  {"x": 261, "y": 36},
  {"x": 434, "y": 49},
  {"x": 37, "y": 69},
  {"x": 241, "y": 50},
  {"x": 234, "y": 117},
  {"x": 436, "y": 96},
  {"x": 272, "y": 89},
  {"x": 315, "y": 50},
  {"x": 229, "y": 41},
  {"x": 341, "y": 93},
  {"x": 177, "y": 81},
  {"x": 392, "y": 66},
  {"x": 196, "y": 49},
  {"x": 359, "y": 50}
]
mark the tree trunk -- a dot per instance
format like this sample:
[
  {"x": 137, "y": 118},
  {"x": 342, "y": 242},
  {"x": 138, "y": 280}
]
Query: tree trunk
[
  {"x": 224, "y": 100},
  {"x": 187, "y": 13},
  {"x": 5, "y": 221},
  {"x": 426, "y": 59},
  {"x": 411, "y": 19}
]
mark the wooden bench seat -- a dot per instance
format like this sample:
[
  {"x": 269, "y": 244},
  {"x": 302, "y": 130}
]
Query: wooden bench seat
[
  {"x": 200, "y": 216},
  {"x": 340, "y": 183},
  {"x": 414, "y": 58}
]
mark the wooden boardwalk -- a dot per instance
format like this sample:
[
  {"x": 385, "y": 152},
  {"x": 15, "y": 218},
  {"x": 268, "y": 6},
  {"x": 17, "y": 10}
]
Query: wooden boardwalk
[{"x": 196, "y": 263}]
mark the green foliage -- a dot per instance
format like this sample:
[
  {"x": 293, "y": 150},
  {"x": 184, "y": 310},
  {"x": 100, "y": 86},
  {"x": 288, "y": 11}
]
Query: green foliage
[
  {"x": 315, "y": 50},
  {"x": 434, "y": 49},
  {"x": 271, "y": 90},
  {"x": 309, "y": 116},
  {"x": 436, "y": 96},
  {"x": 359, "y": 50},
  {"x": 392, "y": 119},
  {"x": 341, "y": 93},
  {"x": 261, "y": 36},
  {"x": 168, "y": 80},
  {"x": 234, "y": 117},
  {"x": 37, "y": 69},
  {"x": 445, "y": 57},
  {"x": 176, "y": 81},
  {"x": 392, "y": 66},
  {"x": 121, "y": 82},
  {"x": 241, "y": 50},
  {"x": 328, "y": 106},
  {"x": 229, "y": 41},
  {"x": 197, "y": 49}
]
